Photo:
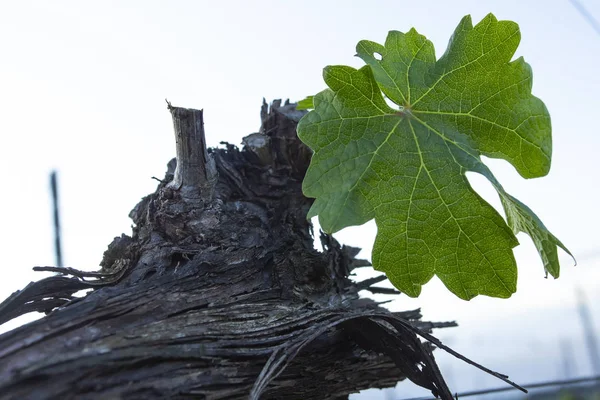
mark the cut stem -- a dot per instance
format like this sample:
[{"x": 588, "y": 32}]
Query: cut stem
[{"x": 195, "y": 168}]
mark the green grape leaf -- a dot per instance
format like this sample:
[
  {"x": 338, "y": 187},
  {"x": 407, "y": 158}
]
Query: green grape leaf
[
  {"x": 305, "y": 104},
  {"x": 522, "y": 219},
  {"x": 404, "y": 165}
]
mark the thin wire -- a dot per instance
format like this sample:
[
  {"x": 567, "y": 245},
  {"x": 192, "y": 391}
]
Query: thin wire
[
  {"x": 507, "y": 388},
  {"x": 584, "y": 12}
]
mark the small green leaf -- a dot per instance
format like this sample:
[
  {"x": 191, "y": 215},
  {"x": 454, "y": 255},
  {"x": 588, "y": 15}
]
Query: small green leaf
[
  {"x": 305, "y": 104},
  {"x": 405, "y": 165},
  {"x": 522, "y": 219}
]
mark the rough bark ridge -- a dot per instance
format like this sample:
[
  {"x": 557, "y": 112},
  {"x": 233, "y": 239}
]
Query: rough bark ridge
[{"x": 218, "y": 296}]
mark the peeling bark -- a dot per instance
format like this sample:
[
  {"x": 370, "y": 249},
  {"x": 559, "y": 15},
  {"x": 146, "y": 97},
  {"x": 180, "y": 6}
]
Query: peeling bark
[{"x": 218, "y": 294}]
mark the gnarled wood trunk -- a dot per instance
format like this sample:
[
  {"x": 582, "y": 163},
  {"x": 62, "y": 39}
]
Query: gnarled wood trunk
[{"x": 218, "y": 294}]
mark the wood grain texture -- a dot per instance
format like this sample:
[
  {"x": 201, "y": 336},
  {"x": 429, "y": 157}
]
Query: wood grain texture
[{"x": 216, "y": 298}]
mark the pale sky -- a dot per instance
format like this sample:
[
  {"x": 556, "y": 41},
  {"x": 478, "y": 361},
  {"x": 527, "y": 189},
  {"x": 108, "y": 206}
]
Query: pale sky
[{"x": 83, "y": 85}]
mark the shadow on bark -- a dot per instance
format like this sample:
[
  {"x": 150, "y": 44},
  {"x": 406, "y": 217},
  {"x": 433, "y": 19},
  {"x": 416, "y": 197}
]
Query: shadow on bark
[{"x": 218, "y": 294}]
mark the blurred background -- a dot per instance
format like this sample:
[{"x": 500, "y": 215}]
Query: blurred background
[{"x": 82, "y": 92}]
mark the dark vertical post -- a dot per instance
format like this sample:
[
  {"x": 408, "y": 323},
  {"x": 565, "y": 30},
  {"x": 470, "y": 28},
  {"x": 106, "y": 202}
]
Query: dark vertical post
[
  {"x": 566, "y": 351},
  {"x": 56, "y": 212},
  {"x": 588, "y": 329}
]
